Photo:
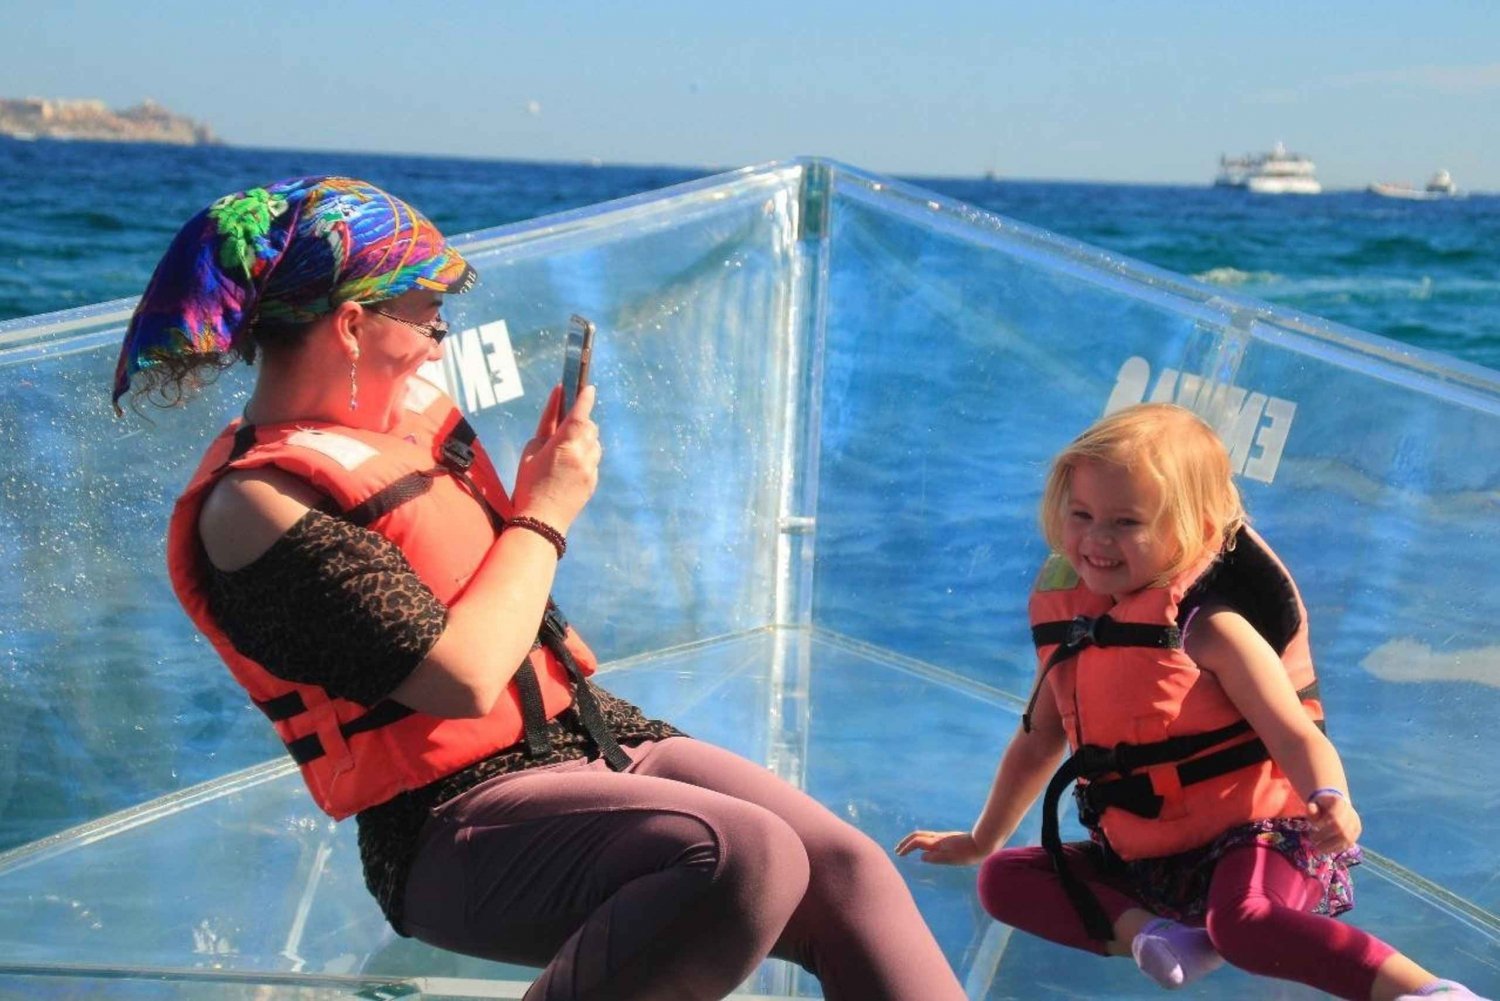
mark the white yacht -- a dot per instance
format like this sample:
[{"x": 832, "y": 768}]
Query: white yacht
[
  {"x": 1275, "y": 173},
  {"x": 1439, "y": 185}
]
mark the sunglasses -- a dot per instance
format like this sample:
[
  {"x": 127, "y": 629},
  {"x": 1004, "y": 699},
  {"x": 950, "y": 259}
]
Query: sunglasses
[{"x": 437, "y": 329}]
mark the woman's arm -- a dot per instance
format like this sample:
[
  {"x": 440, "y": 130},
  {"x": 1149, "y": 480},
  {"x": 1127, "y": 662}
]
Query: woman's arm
[
  {"x": 490, "y": 631},
  {"x": 1025, "y": 768},
  {"x": 492, "y": 626},
  {"x": 1224, "y": 643}
]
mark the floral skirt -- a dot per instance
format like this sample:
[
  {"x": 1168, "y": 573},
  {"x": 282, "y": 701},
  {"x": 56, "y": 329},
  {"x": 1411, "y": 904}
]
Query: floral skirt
[{"x": 1176, "y": 886}]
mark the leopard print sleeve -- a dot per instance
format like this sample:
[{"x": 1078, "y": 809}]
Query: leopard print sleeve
[{"x": 330, "y": 604}]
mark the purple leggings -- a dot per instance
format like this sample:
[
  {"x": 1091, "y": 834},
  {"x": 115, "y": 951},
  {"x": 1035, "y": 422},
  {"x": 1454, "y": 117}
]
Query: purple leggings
[
  {"x": 1258, "y": 914},
  {"x": 673, "y": 879}
]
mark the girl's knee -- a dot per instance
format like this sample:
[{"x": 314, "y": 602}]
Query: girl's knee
[
  {"x": 1004, "y": 883},
  {"x": 1242, "y": 934}
]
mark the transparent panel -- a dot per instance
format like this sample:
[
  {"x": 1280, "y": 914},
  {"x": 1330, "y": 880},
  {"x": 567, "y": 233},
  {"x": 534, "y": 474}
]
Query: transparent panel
[
  {"x": 962, "y": 351},
  {"x": 828, "y": 401},
  {"x": 245, "y": 875},
  {"x": 693, "y": 295}
]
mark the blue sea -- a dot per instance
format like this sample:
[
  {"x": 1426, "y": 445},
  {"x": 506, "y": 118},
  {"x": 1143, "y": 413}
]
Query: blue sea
[{"x": 86, "y": 222}]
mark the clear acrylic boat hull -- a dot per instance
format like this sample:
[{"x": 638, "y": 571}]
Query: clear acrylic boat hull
[{"x": 828, "y": 400}]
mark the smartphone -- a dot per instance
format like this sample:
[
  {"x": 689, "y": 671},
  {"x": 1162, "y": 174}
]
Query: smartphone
[{"x": 577, "y": 354}]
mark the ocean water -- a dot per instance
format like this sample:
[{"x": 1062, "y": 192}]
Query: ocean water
[{"x": 86, "y": 222}]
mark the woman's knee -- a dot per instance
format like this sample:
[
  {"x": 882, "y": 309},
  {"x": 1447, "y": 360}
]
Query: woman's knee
[
  {"x": 763, "y": 865},
  {"x": 848, "y": 864}
]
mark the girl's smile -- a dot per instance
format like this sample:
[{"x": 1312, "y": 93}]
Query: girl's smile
[{"x": 1110, "y": 531}]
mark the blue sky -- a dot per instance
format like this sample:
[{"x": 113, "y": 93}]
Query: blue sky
[{"x": 1146, "y": 91}]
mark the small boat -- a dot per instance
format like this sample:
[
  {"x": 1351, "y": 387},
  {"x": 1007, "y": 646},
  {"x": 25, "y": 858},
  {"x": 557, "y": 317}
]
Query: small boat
[
  {"x": 1440, "y": 185},
  {"x": 1275, "y": 173},
  {"x": 815, "y": 609}
]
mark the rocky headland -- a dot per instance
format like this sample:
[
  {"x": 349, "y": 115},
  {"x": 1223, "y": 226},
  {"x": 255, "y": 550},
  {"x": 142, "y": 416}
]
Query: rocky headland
[{"x": 44, "y": 118}]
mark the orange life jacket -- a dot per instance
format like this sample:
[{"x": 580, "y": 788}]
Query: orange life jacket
[
  {"x": 1164, "y": 762},
  {"x": 428, "y": 487}
]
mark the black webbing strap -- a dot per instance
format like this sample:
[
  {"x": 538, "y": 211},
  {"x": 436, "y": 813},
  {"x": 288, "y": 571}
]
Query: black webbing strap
[
  {"x": 1135, "y": 794},
  {"x": 463, "y": 432},
  {"x": 244, "y": 440},
  {"x": 554, "y": 628},
  {"x": 1074, "y": 635},
  {"x": 1095, "y": 921},
  {"x": 310, "y": 747},
  {"x": 384, "y": 501},
  {"x": 456, "y": 456},
  {"x": 1094, "y": 761},
  {"x": 533, "y": 710},
  {"x": 282, "y": 707}
]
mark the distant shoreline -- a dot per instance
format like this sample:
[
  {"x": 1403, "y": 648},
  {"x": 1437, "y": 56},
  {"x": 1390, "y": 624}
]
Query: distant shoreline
[
  {"x": 1337, "y": 189},
  {"x": 90, "y": 120}
]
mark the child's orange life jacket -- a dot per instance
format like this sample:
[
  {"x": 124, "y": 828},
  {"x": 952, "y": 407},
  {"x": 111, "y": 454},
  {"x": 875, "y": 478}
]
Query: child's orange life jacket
[{"x": 1163, "y": 760}]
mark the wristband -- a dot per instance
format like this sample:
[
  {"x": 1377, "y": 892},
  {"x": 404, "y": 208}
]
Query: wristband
[
  {"x": 1326, "y": 791},
  {"x": 541, "y": 528}
]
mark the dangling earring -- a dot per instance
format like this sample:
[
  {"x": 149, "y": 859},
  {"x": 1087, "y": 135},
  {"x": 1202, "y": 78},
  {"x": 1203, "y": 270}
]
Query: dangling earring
[{"x": 354, "y": 382}]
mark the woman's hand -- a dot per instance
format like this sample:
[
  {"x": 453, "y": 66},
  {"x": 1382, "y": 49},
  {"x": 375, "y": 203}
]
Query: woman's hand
[
  {"x": 1335, "y": 823},
  {"x": 560, "y": 466},
  {"x": 943, "y": 847}
]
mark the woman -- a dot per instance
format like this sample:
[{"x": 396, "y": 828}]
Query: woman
[{"x": 351, "y": 553}]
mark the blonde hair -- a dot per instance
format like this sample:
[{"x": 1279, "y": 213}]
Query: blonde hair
[{"x": 1201, "y": 510}]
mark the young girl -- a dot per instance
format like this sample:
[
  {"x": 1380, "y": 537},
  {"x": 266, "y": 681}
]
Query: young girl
[{"x": 1173, "y": 660}]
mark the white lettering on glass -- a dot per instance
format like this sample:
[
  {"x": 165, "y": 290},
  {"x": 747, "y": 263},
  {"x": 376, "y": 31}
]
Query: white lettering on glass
[
  {"x": 478, "y": 369},
  {"x": 1254, "y": 426}
]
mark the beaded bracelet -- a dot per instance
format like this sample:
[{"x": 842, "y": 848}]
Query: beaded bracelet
[
  {"x": 541, "y": 528},
  {"x": 1327, "y": 791}
]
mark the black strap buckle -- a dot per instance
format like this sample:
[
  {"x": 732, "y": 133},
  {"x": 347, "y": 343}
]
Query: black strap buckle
[
  {"x": 1082, "y": 632},
  {"x": 1133, "y": 794},
  {"x": 457, "y": 455},
  {"x": 1095, "y": 760},
  {"x": 553, "y": 621},
  {"x": 1088, "y": 815}
]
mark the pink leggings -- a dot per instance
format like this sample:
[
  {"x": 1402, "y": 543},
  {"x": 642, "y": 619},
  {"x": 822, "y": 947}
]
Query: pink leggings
[
  {"x": 673, "y": 879},
  {"x": 1258, "y": 914}
]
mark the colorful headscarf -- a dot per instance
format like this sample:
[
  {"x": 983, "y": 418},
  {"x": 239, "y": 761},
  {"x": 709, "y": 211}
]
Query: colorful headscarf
[{"x": 291, "y": 252}]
